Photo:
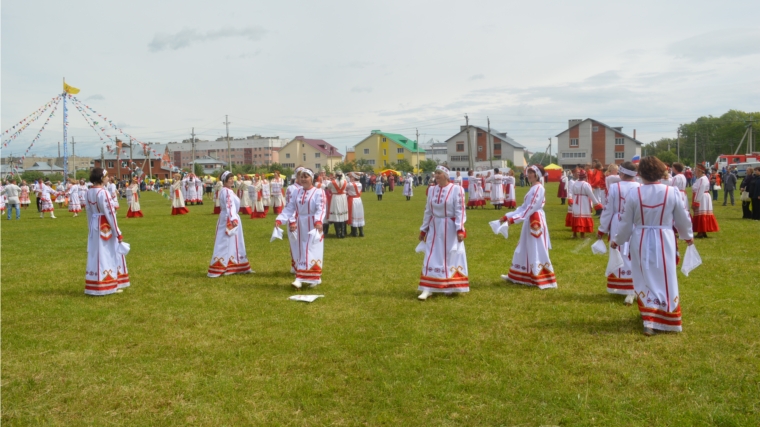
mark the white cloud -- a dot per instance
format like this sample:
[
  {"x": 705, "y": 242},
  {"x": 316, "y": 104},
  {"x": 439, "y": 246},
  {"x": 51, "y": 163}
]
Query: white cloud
[
  {"x": 189, "y": 36},
  {"x": 477, "y": 77},
  {"x": 361, "y": 89},
  {"x": 718, "y": 44}
]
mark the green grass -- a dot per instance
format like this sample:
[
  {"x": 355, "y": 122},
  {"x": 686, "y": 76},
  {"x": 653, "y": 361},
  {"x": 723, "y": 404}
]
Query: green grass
[{"x": 178, "y": 348}]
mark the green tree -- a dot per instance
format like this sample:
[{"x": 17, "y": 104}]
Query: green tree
[
  {"x": 364, "y": 166},
  {"x": 428, "y": 165},
  {"x": 82, "y": 174},
  {"x": 31, "y": 176},
  {"x": 716, "y": 135},
  {"x": 542, "y": 158},
  {"x": 198, "y": 169},
  {"x": 403, "y": 165},
  {"x": 667, "y": 157}
]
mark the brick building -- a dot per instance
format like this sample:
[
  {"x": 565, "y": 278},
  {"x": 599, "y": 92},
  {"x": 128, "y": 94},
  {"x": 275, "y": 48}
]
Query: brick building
[
  {"x": 585, "y": 140},
  {"x": 502, "y": 147}
]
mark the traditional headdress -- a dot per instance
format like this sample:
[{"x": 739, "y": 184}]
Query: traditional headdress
[
  {"x": 701, "y": 167},
  {"x": 308, "y": 172},
  {"x": 626, "y": 171},
  {"x": 224, "y": 176},
  {"x": 443, "y": 169},
  {"x": 581, "y": 174},
  {"x": 338, "y": 171}
]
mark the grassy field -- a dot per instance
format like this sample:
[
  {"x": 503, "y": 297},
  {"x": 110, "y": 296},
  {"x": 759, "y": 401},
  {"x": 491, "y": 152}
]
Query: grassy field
[{"x": 178, "y": 348}]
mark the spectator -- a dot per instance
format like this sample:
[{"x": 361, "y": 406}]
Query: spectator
[
  {"x": 715, "y": 185},
  {"x": 729, "y": 186},
  {"x": 754, "y": 194},
  {"x": 522, "y": 180},
  {"x": 689, "y": 175}
]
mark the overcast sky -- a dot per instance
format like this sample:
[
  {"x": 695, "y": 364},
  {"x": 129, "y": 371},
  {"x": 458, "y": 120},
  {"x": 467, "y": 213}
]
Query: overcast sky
[{"x": 338, "y": 69}]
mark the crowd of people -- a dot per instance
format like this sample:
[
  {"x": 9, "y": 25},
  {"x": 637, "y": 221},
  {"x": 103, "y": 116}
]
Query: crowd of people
[{"x": 643, "y": 209}]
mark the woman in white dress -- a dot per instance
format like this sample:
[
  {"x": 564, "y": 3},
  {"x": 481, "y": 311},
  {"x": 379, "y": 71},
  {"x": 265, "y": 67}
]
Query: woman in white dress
[
  {"x": 647, "y": 225},
  {"x": 409, "y": 187},
  {"x": 620, "y": 282},
  {"x": 458, "y": 179},
  {"x": 60, "y": 194},
  {"x": 75, "y": 204},
  {"x": 106, "y": 267},
  {"x": 584, "y": 203},
  {"x": 475, "y": 190},
  {"x": 304, "y": 215},
  {"x": 293, "y": 236},
  {"x": 217, "y": 188},
  {"x": 243, "y": 193},
  {"x": 530, "y": 263},
  {"x": 82, "y": 194},
  {"x": 133, "y": 191},
  {"x": 45, "y": 192},
  {"x": 701, "y": 201},
  {"x": 444, "y": 268},
  {"x": 256, "y": 192},
  {"x": 497, "y": 189},
  {"x": 229, "y": 247},
  {"x": 266, "y": 195},
  {"x": 509, "y": 190},
  {"x": 278, "y": 198},
  {"x": 178, "y": 200},
  {"x": 112, "y": 192},
  {"x": 355, "y": 205},
  {"x": 191, "y": 194},
  {"x": 487, "y": 187}
]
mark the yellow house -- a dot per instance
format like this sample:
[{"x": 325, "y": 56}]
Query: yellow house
[
  {"x": 381, "y": 149},
  {"x": 314, "y": 154}
]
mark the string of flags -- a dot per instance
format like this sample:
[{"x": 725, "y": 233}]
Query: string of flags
[
  {"x": 92, "y": 124},
  {"x": 113, "y": 126},
  {"x": 55, "y": 107},
  {"x": 28, "y": 120}
]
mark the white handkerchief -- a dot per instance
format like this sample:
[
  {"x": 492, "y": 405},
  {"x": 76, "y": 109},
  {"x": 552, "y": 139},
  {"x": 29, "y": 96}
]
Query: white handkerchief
[
  {"x": 123, "y": 248},
  {"x": 276, "y": 234},
  {"x": 458, "y": 247},
  {"x": 495, "y": 226},
  {"x": 614, "y": 263},
  {"x": 599, "y": 247},
  {"x": 420, "y": 247},
  {"x": 315, "y": 234},
  {"x": 504, "y": 229},
  {"x": 305, "y": 298},
  {"x": 231, "y": 231},
  {"x": 691, "y": 260}
]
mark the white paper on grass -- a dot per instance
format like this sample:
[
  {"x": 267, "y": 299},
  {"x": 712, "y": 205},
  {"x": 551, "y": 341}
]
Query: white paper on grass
[
  {"x": 599, "y": 247},
  {"x": 420, "y": 247},
  {"x": 614, "y": 263},
  {"x": 276, "y": 234},
  {"x": 123, "y": 248},
  {"x": 691, "y": 260},
  {"x": 305, "y": 298}
]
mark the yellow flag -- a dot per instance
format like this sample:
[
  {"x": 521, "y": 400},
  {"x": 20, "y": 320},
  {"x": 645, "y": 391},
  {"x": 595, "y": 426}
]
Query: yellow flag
[{"x": 70, "y": 89}]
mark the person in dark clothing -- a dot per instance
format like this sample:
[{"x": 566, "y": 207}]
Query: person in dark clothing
[
  {"x": 729, "y": 185},
  {"x": 745, "y": 186},
  {"x": 754, "y": 194}
]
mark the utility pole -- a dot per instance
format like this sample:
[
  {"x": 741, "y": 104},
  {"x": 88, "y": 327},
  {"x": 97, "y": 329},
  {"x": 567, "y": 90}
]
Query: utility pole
[
  {"x": 418, "y": 149},
  {"x": 150, "y": 163},
  {"x": 59, "y": 148},
  {"x": 193, "y": 142},
  {"x": 73, "y": 147},
  {"x": 469, "y": 151},
  {"x": 229, "y": 156},
  {"x": 550, "y": 150},
  {"x": 678, "y": 145},
  {"x": 490, "y": 143},
  {"x": 102, "y": 164},
  {"x": 130, "y": 161}
]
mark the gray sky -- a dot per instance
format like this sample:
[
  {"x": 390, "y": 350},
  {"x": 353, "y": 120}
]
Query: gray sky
[{"x": 338, "y": 69}]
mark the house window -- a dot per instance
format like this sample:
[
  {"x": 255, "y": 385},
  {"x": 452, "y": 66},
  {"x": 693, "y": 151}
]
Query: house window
[
  {"x": 460, "y": 146},
  {"x": 316, "y": 155},
  {"x": 110, "y": 164},
  {"x": 371, "y": 162},
  {"x": 460, "y": 158},
  {"x": 573, "y": 142},
  {"x": 287, "y": 155},
  {"x": 366, "y": 151},
  {"x": 385, "y": 163},
  {"x": 304, "y": 157},
  {"x": 619, "y": 141},
  {"x": 497, "y": 156},
  {"x": 385, "y": 152},
  {"x": 400, "y": 151},
  {"x": 497, "y": 146},
  {"x": 620, "y": 155},
  {"x": 383, "y": 139},
  {"x": 317, "y": 165},
  {"x": 596, "y": 128},
  {"x": 480, "y": 148}
]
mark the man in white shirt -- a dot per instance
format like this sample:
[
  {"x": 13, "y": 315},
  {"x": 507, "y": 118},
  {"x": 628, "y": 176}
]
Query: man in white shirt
[{"x": 11, "y": 193}]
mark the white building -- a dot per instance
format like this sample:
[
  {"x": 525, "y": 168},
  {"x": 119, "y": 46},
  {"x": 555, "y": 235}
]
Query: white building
[
  {"x": 585, "y": 140},
  {"x": 482, "y": 148},
  {"x": 252, "y": 150}
]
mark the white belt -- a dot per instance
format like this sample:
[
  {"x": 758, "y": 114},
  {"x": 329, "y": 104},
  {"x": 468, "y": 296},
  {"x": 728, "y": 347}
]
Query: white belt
[{"x": 652, "y": 242}]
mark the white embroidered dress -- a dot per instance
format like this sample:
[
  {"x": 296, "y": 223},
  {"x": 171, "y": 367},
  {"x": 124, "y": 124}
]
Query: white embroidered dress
[
  {"x": 106, "y": 268},
  {"x": 647, "y": 223},
  {"x": 444, "y": 268},
  {"x": 530, "y": 263},
  {"x": 306, "y": 208},
  {"x": 620, "y": 282},
  {"x": 229, "y": 256},
  {"x": 497, "y": 189},
  {"x": 355, "y": 205}
]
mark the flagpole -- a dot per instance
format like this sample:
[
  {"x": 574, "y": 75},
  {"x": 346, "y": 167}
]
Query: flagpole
[{"x": 65, "y": 133}]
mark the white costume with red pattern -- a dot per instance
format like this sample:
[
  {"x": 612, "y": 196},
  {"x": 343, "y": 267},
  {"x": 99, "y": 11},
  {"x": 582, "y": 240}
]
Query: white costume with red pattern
[
  {"x": 620, "y": 282},
  {"x": 444, "y": 270},
  {"x": 306, "y": 208},
  {"x": 229, "y": 255},
  {"x": 106, "y": 268}
]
